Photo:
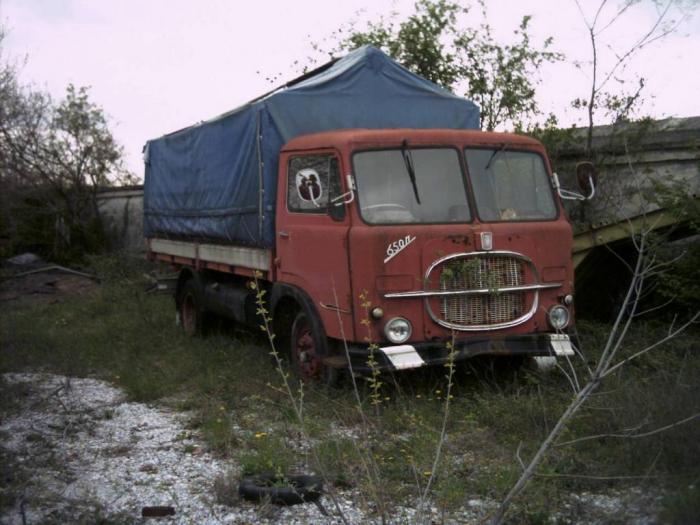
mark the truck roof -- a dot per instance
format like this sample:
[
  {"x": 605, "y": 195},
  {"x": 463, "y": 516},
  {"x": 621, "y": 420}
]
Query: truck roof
[{"x": 386, "y": 137}]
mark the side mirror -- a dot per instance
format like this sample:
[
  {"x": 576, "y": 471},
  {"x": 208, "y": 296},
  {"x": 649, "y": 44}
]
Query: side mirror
[
  {"x": 586, "y": 176},
  {"x": 336, "y": 207},
  {"x": 337, "y": 211}
]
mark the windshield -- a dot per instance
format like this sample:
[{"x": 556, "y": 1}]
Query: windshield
[
  {"x": 407, "y": 186},
  {"x": 510, "y": 185}
]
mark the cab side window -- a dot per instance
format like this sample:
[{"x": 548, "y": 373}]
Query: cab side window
[{"x": 312, "y": 183}]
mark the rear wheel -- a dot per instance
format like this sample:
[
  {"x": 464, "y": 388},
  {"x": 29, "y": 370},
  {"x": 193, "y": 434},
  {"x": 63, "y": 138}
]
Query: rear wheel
[
  {"x": 190, "y": 308},
  {"x": 308, "y": 348}
]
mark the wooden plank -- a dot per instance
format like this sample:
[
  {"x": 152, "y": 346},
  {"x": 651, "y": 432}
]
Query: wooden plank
[{"x": 584, "y": 242}]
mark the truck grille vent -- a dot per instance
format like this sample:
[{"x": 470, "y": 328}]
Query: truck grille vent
[{"x": 487, "y": 272}]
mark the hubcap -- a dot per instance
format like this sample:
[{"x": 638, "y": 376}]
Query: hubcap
[{"x": 305, "y": 352}]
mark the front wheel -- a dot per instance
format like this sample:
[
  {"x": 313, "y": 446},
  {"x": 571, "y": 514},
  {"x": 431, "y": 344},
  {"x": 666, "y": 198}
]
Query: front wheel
[
  {"x": 308, "y": 348},
  {"x": 190, "y": 309}
]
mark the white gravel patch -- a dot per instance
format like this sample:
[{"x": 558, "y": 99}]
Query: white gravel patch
[{"x": 87, "y": 452}]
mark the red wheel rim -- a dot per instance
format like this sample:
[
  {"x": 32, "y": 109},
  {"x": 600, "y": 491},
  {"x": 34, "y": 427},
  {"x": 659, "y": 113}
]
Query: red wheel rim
[
  {"x": 189, "y": 314},
  {"x": 305, "y": 353}
]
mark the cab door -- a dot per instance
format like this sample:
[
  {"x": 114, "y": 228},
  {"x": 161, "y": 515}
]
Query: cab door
[{"x": 312, "y": 235}]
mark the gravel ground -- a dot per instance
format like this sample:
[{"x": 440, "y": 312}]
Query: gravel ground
[
  {"x": 80, "y": 452},
  {"x": 89, "y": 453},
  {"x": 86, "y": 453}
]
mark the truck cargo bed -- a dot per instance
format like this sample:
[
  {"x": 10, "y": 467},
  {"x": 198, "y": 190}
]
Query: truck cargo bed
[
  {"x": 218, "y": 179},
  {"x": 221, "y": 257}
]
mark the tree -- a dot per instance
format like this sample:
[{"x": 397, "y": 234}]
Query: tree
[
  {"x": 81, "y": 147},
  {"x": 650, "y": 263},
  {"x": 619, "y": 105},
  {"x": 611, "y": 361},
  {"x": 424, "y": 42},
  {"x": 54, "y": 159},
  {"x": 501, "y": 79}
]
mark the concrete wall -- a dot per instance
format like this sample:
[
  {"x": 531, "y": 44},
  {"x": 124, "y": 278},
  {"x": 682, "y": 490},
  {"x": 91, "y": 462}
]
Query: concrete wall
[
  {"x": 631, "y": 159},
  {"x": 122, "y": 215}
]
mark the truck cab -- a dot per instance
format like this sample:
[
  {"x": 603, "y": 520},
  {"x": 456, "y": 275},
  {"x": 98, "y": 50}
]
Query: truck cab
[{"x": 404, "y": 243}]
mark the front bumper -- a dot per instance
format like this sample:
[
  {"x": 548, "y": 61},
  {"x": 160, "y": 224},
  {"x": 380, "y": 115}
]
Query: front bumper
[{"x": 403, "y": 357}]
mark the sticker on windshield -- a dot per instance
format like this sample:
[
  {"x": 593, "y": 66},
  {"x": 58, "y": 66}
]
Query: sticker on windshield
[
  {"x": 309, "y": 186},
  {"x": 395, "y": 247}
]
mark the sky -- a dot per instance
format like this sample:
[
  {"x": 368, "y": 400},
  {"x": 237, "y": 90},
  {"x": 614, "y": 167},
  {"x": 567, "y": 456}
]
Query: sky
[{"x": 156, "y": 66}]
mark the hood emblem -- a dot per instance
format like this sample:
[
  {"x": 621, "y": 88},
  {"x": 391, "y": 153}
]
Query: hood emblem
[{"x": 486, "y": 241}]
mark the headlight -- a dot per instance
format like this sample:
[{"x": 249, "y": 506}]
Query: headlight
[
  {"x": 397, "y": 330},
  {"x": 558, "y": 317}
]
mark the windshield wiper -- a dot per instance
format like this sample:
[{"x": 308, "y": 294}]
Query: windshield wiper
[
  {"x": 408, "y": 161},
  {"x": 495, "y": 152}
]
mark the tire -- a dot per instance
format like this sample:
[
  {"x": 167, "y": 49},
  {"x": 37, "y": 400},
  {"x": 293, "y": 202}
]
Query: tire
[
  {"x": 189, "y": 308},
  {"x": 290, "y": 490},
  {"x": 308, "y": 347}
]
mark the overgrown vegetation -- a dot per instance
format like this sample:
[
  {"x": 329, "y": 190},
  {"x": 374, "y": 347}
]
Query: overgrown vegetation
[
  {"x": 391, "y": 438},
  {"x": 227, "y": 379},
  {"x": 54, "y": 158}
]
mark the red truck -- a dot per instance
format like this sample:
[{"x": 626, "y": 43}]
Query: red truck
[{"x": 407, "y": 238}]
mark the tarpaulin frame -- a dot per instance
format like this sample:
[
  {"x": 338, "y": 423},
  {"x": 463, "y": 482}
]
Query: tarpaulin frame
[
  {"x": 218, "y": 179},
  {"x": 261, "y": 180}
]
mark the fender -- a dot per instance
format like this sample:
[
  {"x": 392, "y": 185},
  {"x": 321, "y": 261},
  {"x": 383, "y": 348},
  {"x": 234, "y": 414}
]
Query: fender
[
  {"x": 187, "y": 273},
  {"x": 282, "y": 291}
]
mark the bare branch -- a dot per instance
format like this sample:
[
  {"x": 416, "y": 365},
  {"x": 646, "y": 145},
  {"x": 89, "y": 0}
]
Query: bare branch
[
  {"x": 616, "y": 16},
  {"x": 630, "y": 435},
  {"x": 517, "y": 456},
  {"x": 597, "y": 14},
  {"x": 601, "y": 478},
  {"x": 443, "y": 430},
  {"x": 668, "y": 337},
  {"x": 642, "y": 42},
  {"x": 568, "y": 377},
  {"x": 619, "y": 258},
  {"x": 655, "y": 308},
  {"x": 611, "y": 346},
  {"x": 573, "y": 407}
]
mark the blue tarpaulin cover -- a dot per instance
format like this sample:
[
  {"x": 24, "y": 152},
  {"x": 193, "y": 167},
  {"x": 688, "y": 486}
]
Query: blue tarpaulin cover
[{"x": 218, "y": 180}]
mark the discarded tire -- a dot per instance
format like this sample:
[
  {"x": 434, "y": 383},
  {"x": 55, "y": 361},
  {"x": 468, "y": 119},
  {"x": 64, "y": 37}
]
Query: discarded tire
[{"x": 289, "y": 490}]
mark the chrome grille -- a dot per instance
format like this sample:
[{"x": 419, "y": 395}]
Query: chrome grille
[{"x": 489, "y": 272}]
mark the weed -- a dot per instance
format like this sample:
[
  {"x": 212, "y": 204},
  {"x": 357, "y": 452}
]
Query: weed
[
  {"x": 128, "y": 337},
  {"x": 226, "y": 488},
  {"x": 268, "y": 453},
  {"x": 374, "y": 380},
  {"x": 341, "y": 458}
]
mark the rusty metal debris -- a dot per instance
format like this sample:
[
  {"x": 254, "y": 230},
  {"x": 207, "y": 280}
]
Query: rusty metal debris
[
  {"x": 30, "y": 278},
  {"x": 54, "y": 267},
  {"x": 157, "y": 512}
]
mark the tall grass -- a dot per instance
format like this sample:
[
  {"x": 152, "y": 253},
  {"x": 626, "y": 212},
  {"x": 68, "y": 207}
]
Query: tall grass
[{"x": 228, "y": 381}]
